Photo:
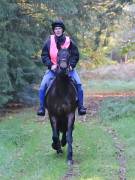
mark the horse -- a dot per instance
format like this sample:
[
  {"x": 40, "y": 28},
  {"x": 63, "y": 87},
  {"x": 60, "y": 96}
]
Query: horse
[{"x": 61, "y": 104}]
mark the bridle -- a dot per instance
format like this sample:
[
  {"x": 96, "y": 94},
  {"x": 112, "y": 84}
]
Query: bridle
[{"x": 63, "y": 62}]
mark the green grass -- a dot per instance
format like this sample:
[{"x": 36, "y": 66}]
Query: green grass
[
  {"x": 26, "y": 153},
  {"x": 96, "y": 152},
  {"x": 126, "y": 130},
  {"x": 25, "y": 150},
  {"x": 110, "y": 85},
  {"x": 117, "y": 108},
  {"x": 119, "y": 113}
]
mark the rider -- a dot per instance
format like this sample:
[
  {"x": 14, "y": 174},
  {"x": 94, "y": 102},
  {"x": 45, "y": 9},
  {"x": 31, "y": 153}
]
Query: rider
[{"x": 51, "y": 46}]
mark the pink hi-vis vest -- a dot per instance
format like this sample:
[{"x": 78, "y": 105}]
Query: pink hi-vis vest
[{"x": 54, "y": 50}]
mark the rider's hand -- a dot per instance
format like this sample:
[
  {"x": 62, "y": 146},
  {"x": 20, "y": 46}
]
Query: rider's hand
[
  {"x": 70, "y": 68},
  {"x": 54, "y": 67}
]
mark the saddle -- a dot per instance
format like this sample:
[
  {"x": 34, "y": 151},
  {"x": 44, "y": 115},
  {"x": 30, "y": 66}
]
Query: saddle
[{"x": 73, "y": 82}]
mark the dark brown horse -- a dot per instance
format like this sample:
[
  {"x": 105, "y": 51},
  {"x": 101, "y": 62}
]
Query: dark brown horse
[{"x": 61, "y": 104}]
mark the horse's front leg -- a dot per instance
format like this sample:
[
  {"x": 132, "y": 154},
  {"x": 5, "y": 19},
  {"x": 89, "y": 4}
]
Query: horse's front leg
[
  {"x": 71, "y": 119},
  {"x": 63, "y": 140},
  {"x": 55, "y": 137}
]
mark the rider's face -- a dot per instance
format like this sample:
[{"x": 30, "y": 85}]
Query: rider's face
[{"x": 58, "y": 31}]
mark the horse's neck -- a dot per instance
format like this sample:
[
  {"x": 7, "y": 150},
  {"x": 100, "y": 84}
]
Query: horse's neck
[{"x": 62, "y": 83}]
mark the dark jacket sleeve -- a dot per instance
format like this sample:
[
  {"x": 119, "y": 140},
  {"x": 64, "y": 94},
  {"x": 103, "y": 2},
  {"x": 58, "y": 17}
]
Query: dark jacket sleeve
[
  {"x": 45, "y": 54},
  {"x": 74, "y": 54}
]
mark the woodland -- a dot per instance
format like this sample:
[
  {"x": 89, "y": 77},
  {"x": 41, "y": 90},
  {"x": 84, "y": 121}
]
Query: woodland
[
  {"x": 104, "y": 31},
  {"x": 104, "y": 138}
]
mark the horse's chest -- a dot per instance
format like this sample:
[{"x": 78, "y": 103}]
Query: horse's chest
[
  {"x": 61, "y": 101},
  {"x": 62, "y": 106}
]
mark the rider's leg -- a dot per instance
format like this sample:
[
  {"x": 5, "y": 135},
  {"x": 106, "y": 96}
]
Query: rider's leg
[
  {"x": 42, "y": 91},
  {"x": 74, "y": 75}
]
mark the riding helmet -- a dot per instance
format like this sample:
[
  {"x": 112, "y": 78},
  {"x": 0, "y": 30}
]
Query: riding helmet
[{"x": 58, "y": 23}]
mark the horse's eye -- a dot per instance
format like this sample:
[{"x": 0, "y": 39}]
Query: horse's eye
[{"x": 63, "y": 64}]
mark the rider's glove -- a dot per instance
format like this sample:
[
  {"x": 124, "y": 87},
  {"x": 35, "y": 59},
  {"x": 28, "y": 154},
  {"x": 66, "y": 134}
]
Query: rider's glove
[
  {"x": 54, "y": 67},
  {"x": 70, "y": 68}
]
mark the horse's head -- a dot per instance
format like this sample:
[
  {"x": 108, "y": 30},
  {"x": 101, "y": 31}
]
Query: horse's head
[{"x": 63, "y": 61}]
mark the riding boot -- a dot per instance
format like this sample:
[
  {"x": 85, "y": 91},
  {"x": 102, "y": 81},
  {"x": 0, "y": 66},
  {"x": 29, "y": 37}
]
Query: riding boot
[
  {"x": 41, "y": 110},
  {"x": 81, "y": 108}
]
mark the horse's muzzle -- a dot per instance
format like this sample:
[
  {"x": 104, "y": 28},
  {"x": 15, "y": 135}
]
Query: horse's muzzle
[{"x": 63, "y": 65}]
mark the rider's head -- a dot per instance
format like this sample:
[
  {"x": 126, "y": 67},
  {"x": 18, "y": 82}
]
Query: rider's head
[{"x": 58, "y": 27}]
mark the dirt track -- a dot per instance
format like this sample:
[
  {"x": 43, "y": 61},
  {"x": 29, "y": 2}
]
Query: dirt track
[{"x": 115, "y": 94}]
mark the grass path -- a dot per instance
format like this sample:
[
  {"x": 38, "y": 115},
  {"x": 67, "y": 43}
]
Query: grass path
[
  {"x": 25, "y": 151},
  {"x": 117, "y": 142},
  {"x": 118, "y": 116},
  {"x": 103, "y": 145},
  {"x": 120, "y": 152}
]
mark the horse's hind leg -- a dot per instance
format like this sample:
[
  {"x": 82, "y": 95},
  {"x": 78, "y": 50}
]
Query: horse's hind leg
[{"x": 56, "y": 142}]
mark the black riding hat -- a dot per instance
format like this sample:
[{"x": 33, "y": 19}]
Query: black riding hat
[{"x": 58, "y": 23}]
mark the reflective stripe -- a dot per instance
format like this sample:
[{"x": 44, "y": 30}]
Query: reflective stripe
[{"x": 54, "y": 50}]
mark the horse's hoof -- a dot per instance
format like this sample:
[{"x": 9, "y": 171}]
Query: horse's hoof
[
  {"x": 70, "y": 162},
  {"x": 59, "y": 151},
  {"x": 63, "y": 143},
  {"x": 54, "y": 146}
]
